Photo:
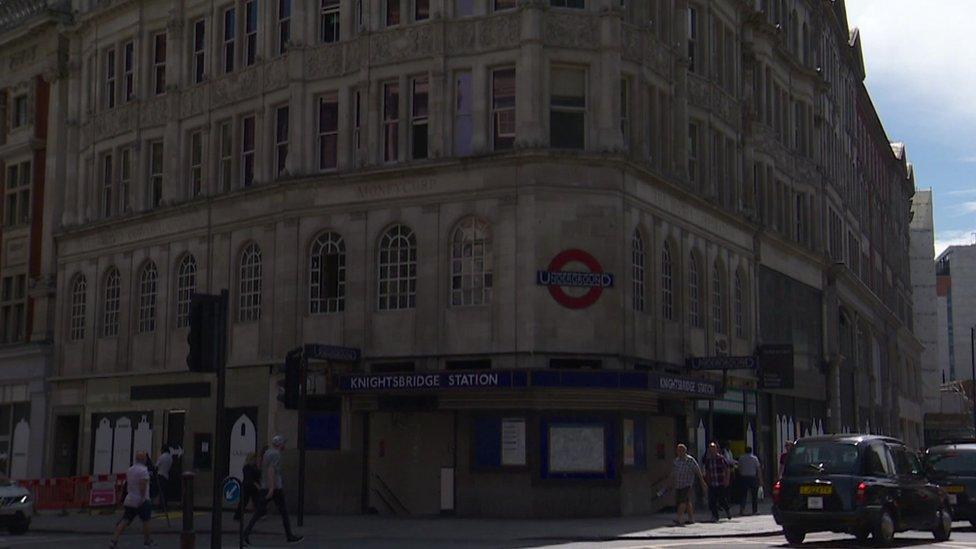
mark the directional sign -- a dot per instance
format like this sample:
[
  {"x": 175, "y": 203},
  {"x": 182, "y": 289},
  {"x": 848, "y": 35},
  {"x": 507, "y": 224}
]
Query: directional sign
[
  {"x": 232, "y": 490},
  {"x": 317, "y": 351},
  {"x": 722, "y": 363}
]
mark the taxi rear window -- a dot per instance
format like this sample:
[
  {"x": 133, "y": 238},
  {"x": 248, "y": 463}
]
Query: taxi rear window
[{"x": 819, "y": 458}]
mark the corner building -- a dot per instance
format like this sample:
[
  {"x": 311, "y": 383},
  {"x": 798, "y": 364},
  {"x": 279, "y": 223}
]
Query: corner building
[{"x": 526, "y": 215}]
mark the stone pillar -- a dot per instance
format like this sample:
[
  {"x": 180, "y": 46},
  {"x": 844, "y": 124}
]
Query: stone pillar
[
  {"x": 834, "y": 418},
  {"x": 531, "y": 105},
  {"x": 607, "y": 105}
]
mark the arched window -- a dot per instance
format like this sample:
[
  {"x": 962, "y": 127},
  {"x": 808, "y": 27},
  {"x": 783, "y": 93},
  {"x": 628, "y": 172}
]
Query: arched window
[
  {"x": 112, "y": 296},
  {"x": 79, "y": 298},
  {"x": 186, "y": 284},
  {"x": 397, "y": 277},
  {"x": 471, "y": 263},
  {"x": 667, "y": 283},
  {"x": 718, "y": 299},
  {"x": 737, "y": 306},
  {"x": 637, "y": 269},
  {"x": 327, "y": 275},
  {"x": 694, "y": 291},
  {"x": 148, "y": 285},
  {"x": 249, "y": 292}
]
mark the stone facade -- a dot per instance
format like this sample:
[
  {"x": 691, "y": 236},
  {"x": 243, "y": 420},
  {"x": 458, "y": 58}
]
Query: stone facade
[{"x": 380, "y": 179}]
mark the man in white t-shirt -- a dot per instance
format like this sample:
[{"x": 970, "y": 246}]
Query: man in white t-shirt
[
  {"x": 163, "y": 465},
  {"x": 136, "y": 502}
]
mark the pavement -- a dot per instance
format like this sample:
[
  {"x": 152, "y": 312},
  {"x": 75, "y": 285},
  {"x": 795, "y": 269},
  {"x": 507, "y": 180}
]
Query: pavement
[{"x": 438, "y": 529}]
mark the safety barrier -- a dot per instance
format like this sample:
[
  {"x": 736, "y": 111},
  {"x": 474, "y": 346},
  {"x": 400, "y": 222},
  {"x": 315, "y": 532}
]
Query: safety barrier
[{"x": 69, "y": 492}]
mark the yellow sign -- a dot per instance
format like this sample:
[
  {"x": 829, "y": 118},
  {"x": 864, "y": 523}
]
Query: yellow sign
[
  {"x": 816, "y": 490},
  {"x": 955, "y": 489}
]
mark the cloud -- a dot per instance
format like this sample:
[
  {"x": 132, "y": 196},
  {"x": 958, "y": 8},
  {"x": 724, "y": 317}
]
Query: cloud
[
  {"x": 968, "y": 159},
  {"x": 944, "y": 239},
  {"x": 962, "y": 192},
  {"x": 964, "y": 208},
  {"x": 922, "y": 51}
]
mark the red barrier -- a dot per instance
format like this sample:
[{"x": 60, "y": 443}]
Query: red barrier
[{"x": 68, "y": 492}]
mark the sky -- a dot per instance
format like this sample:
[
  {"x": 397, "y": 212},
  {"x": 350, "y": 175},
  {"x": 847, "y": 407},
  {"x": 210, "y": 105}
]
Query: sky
[{"x": 921, "y": 74}]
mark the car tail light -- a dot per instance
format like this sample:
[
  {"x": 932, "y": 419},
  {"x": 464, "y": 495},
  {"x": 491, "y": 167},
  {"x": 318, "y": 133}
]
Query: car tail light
[
  {"x": 776, "y": 490},
  {"x": 861, "y": 495}
]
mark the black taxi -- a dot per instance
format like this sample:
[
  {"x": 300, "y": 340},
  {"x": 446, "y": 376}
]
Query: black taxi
[
  {"x": 952, "y": 465},
  {"x": 865, "y": 485}
]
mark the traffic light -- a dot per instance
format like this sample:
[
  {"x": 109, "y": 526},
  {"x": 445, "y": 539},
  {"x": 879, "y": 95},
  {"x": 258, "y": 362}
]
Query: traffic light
[
  {"x": 207, "y": 334},
  {"x": 288, "y": 391}
]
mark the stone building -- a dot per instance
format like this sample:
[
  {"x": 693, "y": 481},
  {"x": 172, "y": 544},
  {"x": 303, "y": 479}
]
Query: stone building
[
  {"x": 956, "y": 274},
  {"x": 31, "y": 86},
  {"x": 525, "y": 215}
]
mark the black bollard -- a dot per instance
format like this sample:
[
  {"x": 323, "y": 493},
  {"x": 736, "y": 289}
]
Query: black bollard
[{"x": 188, "y": 537}]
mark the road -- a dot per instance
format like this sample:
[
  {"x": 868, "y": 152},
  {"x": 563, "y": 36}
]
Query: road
[{"x": 962, "y": 538}]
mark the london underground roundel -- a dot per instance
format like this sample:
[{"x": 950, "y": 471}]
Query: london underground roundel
[{"x": 557, "y": 278}]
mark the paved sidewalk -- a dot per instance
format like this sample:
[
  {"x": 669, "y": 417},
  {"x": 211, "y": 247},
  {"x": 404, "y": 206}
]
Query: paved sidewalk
[{"x": 364, "y": 527}]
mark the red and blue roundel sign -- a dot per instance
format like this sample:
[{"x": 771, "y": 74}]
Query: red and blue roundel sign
[{"x": 556, "y": 279}]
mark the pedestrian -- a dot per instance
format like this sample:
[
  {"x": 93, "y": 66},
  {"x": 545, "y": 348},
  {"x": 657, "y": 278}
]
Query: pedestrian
[
  {"x": 272, "y": 477},
  {"x": 750, "y": 475},
  {"x": 782, "y": 457},
  {"x": 164, "y": 463},
  {"x": 136, "y": 502},
  {"x": 684, "y": 472},
  {"x": 250, "y": 484},
  {"x": 718, "y": 473}
]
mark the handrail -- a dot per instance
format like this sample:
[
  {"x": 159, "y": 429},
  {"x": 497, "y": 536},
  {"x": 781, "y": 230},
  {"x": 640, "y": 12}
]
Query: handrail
[{"x": 399, "y": 508}]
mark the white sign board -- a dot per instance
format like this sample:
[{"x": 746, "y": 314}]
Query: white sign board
[
  {"x": 513, "y": 441},
  {"x": 577, "y": 449}
]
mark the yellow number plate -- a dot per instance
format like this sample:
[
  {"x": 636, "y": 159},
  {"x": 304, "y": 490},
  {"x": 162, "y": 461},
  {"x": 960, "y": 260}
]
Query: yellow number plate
[
  {"x": 816, "y": 490},
  {"x": 955, "y": 489}
]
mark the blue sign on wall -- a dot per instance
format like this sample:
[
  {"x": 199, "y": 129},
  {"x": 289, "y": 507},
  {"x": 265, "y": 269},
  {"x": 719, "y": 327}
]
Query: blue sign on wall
[{"x": 323, "y": 430}]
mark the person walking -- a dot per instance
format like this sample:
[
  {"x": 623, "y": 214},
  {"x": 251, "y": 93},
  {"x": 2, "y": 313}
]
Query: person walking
[
  {"x": 750, "y": 475},
  {"x": 718, "y": 473},
  {"x": 137, "y": 502},
  {"x": 684, "y": 472},
  {"x": 164, "y": 463},
  {"x": 782, "y": 457},
  {"x": 250, "y": 484},
  {"x": 273, "y": 479}
]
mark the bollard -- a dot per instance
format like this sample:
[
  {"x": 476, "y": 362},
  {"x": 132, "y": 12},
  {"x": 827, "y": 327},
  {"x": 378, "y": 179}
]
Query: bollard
[{"x": 188, "y": 537}]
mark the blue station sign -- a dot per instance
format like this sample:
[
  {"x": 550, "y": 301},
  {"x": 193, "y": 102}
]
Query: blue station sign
[{"x": 519, "y": 379}]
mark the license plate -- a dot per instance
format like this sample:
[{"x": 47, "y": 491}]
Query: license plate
[
  {"x": 816, "y": 490},
  {"x": 815, "y": 502},
  {"x": 955, "y": 489},
  {"x": 953, "y": 499}
]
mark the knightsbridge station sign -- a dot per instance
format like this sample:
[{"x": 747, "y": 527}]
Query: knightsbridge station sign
[
  {"x": 434, "y": 382},
  {"x": 557, "y": 280}
]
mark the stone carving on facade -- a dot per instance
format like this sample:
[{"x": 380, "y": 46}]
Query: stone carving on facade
[
  {"x": 153, "y": 113},
  {"x": 499, "y": 32},
  {"x": 569, "y": 30},
  {"x": 698, "y": 91},
  {"x": 115, "y": 121},
  {"x": 323, "y": 61},
  {"x": 276, "y": 74},
  {"x": 402, "y": 44},
  {"x": 461, "y": 37},
  {"x": 236, "y": 87},
  {"x": 194, "y": 100},
  {"x": 630, "y": 41}
]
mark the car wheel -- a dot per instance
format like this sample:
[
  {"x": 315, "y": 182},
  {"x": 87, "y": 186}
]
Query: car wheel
[
  {"x": 794, "y": 535},
  {"x": 943, "y": 526},
  {"x": 863, "y": 536},
  {"x": 19, "y": 527},
  {"x": 884, "y": 530}
]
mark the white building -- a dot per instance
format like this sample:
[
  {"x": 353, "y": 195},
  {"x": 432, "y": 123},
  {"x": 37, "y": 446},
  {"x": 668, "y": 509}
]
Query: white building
[{"x": 545, "y": 194}]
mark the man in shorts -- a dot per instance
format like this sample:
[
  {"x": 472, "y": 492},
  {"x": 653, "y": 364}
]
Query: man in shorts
[
  {"x": 683, "y": 475},
  {"x": 137, "y": 502}
]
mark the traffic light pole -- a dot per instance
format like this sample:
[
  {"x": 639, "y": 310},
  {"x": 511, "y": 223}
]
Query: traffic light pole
[
  {"x": 302, "y": 394},
  {"x": 219, "y": 450}
]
